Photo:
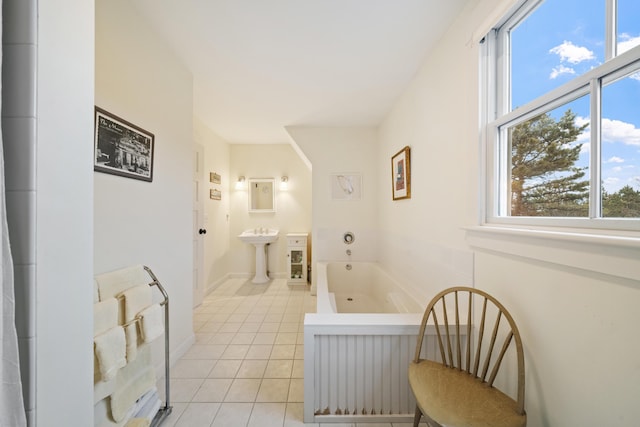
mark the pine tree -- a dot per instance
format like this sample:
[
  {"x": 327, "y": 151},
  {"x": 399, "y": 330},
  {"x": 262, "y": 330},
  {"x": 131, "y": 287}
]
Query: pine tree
[
  {"x": 625, "y": 203},
  {"x": 544, "y": 178}
]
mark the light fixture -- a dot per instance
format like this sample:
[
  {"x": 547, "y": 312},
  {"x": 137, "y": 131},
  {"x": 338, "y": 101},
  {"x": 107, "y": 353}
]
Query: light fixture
[
  {"x": 284, "y": 183},
  {"x": 240, "y": 184}
]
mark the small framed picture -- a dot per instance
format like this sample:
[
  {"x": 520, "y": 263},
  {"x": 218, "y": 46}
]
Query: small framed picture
[
  {"x": 401, "y": 174},
  {"x": 215, "y": 194},
  {"x": 346, "y": 186},
  {"x": 122, "y": 148},
  {"x": 215, "y": 178}
]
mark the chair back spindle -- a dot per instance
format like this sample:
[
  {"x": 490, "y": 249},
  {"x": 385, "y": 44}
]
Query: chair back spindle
[{"x": 477, "y": 345}]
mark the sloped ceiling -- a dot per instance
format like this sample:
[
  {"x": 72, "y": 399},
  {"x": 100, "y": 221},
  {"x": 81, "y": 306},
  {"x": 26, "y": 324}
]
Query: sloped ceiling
[{"x": 261, "y": 65}]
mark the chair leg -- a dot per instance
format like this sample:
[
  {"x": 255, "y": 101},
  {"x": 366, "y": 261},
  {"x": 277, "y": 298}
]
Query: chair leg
[
  {"x": 430, "y": 422},
  {"x": 417, "y": 416}
]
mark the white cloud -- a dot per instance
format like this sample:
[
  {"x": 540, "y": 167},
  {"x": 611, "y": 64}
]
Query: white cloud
[
  {"x": 581, "y": 121},
  {"x": 619, "y": 131},
  {"x": 559, "y": 70},
  {"x": 615, "y": 159},
  {"x": 627, "y": 42},
  {"x": 611, "y": 181},
  {"x": 572, "y": 53},
  {"x": 616, "y": 169}
]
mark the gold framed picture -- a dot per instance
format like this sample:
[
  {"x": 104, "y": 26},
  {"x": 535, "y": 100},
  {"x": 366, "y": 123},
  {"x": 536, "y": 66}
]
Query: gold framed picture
[{"x": 401, "y": 174}]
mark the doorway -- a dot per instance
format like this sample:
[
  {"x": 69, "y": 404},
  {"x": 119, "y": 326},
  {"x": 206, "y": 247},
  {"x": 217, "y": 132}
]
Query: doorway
[{"x": 199, "y": 227}]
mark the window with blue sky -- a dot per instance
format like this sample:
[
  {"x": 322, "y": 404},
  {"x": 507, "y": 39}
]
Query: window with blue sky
[{"x": 555, "y": 53}]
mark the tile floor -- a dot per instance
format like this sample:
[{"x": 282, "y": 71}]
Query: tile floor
[{"x": 246, "y": 367}]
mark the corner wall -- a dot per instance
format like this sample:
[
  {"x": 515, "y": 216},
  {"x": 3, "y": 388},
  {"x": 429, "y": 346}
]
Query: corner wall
[
  {"x": 136, "y": 222},
  {"x": 579, "y": 328},
  {"x": 342, "y": 151},
  {"x": 49, "y": 52}
]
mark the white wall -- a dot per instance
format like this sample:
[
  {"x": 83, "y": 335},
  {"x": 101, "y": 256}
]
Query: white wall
[
  {"x": 422, "y": 238},
  {"x": 342, "y": 150},
  {"x": 217, "y": 212},
  {"x": 49, "y": 52},
  {"x": 293, "y": 206},
  {"x": 136, "y": 222},
  {"x": 579, "y": 328}
]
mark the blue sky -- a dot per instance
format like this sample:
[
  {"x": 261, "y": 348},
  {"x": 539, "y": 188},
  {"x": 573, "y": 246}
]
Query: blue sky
[{"x": 564, "y": 39}]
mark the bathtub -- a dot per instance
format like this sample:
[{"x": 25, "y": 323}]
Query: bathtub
[
  {"x": 358, "y": 345},
  {"x": 360, "y": 287}
]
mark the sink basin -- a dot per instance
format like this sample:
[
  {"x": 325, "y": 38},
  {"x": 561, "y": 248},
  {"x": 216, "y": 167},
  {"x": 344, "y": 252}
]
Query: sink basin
[
  {"x": 260, "y": 238},
  {"x": 267, "y": 236}
]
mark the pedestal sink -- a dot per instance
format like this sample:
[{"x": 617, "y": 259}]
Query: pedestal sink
[{"x": 260, "y": 238}]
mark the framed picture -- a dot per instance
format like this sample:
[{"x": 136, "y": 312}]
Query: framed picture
[
  {"x": 215, "y": 194},
  {"x": 215, "y": 178},
  {"x": 401, "y": 174},
  {"x": 122, "y": 148},
  {"x": 346, "y": 186}
]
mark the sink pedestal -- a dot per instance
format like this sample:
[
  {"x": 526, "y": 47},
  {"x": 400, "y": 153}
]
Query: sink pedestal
[
  {"x": 261, "y": 265},
  {"x": 260, "y": 241}
]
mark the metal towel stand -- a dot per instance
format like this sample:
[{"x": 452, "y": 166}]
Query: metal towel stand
[{"x": 165, "y": 410}]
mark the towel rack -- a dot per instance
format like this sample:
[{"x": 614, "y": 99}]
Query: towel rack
[{"x": 165, "y": 410}]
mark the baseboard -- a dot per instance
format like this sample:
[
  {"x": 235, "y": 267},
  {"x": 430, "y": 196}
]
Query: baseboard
[
  {"x": 214, "y": 285},
  {"x": 174, "y": 355}
]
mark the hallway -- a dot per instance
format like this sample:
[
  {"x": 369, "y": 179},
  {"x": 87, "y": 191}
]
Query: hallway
[{"x": 246, "y": 367}]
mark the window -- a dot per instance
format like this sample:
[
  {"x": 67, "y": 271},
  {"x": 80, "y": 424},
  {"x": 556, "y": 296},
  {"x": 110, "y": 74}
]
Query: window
[{"x": 563, "y": 115}]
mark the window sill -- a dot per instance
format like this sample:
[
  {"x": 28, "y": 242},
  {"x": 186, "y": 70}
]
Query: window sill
[{"x": 613, "y": 255}]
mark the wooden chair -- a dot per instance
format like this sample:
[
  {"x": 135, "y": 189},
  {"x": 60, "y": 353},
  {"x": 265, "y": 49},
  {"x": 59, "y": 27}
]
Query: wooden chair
[{"x": 458, "y": 389}]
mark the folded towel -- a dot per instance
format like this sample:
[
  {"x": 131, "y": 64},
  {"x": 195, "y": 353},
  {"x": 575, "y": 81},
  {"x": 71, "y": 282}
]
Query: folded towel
[
  {"x": 110, "y": 350},
  {"x": 125, "y": 396},
  {"x": 105, "y": 316},
  {"x": 132, "y": 382},
  {"x": 135, "y": 300},
  {"x": 115, "y": 282},
  {"x": 151, "y": 324}
]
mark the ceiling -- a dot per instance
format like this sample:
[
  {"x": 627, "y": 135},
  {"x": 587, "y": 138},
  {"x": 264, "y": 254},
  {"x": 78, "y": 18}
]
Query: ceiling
[{"x": 261, "y": 65}]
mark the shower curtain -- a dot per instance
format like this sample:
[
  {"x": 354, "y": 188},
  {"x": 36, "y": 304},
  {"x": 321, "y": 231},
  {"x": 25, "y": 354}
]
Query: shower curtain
[{"x": 11, "y": 403}]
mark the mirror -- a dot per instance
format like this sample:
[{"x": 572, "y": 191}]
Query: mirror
[{"x": 262, "y": 195}]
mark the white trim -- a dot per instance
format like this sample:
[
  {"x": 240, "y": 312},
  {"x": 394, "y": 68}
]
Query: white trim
[
  {"x": 611, "y": 30},
  {"x": 497, "y": 117},
  {"x": 493, "y": 20},
  {"x": 613, "y": 255},
  {"x": 595, "y": 160}
]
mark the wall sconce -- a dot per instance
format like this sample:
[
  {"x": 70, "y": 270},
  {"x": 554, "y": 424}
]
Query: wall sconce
[
  {"x": 241, "y": 183},
  {"x": 284, "y": 183}
]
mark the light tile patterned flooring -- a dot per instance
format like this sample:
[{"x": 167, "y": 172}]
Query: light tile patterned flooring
[{"x": 246, "y": 367}]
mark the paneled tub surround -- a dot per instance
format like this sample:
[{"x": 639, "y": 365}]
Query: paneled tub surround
[{"x": 356, "y": 364}]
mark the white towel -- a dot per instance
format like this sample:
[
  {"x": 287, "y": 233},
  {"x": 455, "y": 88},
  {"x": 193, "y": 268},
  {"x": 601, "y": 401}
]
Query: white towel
[
  {"x": 126, "y": 395},
  {"x": 135, "y": 300},
  {"x": 151, "y": 325},
  {"x": 105, "y": 316},
  {"x": 110, "y": 350},
  {"x": 115, "y": 282}
]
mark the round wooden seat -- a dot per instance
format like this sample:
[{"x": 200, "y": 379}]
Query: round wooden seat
[{"x": 455, "y": 386}]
